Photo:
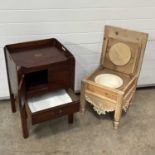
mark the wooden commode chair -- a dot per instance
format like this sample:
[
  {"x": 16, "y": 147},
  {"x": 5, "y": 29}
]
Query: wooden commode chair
[{"x": 112, "y": 85}]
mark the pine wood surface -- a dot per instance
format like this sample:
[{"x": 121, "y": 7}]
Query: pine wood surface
[{"x": 127, "y": 66}]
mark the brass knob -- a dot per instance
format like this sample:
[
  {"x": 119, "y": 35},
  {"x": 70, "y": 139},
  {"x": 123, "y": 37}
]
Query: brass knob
[
  {"x": 38, "y": 55},
  {"x": 60, "y": 111}
]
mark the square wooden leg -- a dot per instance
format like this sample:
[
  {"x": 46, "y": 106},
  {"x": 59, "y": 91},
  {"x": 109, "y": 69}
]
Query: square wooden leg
[
  {"x": 24, "y": 124},
  {"x": 70, "y": 118},
  {"x": 13, "y": 105}
]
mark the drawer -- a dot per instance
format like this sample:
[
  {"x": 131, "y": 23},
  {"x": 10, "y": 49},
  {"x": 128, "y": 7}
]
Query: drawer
[
  {"x": 99, "y": 102},
  {"x": 57, "y": 111},
  {"x": 70, "y": 108}
]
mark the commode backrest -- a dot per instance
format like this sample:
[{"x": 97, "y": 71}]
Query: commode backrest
[{"x": 123, "y": 50}]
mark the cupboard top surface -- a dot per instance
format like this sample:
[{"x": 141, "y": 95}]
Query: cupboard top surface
[
  {"x": 40, "y": 56},
  {"x": 38, "y": 53}
]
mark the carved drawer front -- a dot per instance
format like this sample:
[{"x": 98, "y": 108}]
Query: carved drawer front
[
  {"x": 102, "y": 91},
  {"x": 99, "y": 104}
]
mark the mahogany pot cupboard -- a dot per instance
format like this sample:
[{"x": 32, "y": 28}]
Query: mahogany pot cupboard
[{"x": 37, "y": 68}]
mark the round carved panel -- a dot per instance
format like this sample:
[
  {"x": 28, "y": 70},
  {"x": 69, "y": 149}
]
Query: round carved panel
[{"x": 120, "y": 54}]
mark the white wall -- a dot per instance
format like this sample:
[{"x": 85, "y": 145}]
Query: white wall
[{"x": 79, "y": 25}]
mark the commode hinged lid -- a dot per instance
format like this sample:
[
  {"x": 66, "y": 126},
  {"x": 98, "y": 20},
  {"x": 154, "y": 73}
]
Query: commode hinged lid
[{"x": 122, "y": 50}]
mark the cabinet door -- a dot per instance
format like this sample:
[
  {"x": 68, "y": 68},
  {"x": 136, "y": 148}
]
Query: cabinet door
[
  {"x": 22, "y": 106},
  {"x": 58, "y": 76},
  {"x": 21, "y": 93}
]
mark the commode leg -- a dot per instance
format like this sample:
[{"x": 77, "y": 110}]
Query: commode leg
[
  {"x": 70, "y": 118},
  {"x": 117, "y": 117},
  {"x": 82, "y": 98},
  {"x": 118, "y": 112}
]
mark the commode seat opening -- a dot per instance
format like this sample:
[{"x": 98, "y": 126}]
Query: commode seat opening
[{"x": 109, "y": 80}]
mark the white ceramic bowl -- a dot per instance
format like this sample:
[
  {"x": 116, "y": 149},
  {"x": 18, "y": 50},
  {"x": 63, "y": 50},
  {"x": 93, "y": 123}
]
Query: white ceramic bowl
[{"x": 109, "y": 80}]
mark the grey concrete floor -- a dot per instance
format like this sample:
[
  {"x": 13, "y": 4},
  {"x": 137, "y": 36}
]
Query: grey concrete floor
[{"x": 90, "y": 135}]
